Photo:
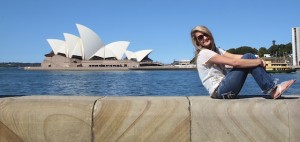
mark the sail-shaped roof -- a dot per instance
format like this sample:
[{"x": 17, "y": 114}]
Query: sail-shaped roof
[
  {"x": 114, "y": 49},
  {"x": 58, "y": 46},
  {"x": 91, "y": 42},
  {"x": 139, "y": 55},
  {"x": 118, "y": 48},
  {"x": 72, "y": 42},
  {"x": 130, "y": 55}
]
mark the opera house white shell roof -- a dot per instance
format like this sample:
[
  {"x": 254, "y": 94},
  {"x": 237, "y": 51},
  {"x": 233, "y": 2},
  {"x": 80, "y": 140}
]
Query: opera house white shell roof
[
  {"x": 58, "y": 46},
  {"x": 139, "y": 55},
  {"x": 89, "y": 45}
]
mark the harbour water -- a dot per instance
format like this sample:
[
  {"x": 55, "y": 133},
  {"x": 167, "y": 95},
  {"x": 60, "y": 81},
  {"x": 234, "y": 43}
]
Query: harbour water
[{"x": 16, "y": 81}]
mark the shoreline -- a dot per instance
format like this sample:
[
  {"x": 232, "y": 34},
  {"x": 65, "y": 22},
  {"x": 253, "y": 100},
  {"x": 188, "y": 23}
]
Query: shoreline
[{"x": 108, "y": 68}]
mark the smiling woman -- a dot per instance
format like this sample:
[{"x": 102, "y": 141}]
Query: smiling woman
[{"x": 211, "y": 63}]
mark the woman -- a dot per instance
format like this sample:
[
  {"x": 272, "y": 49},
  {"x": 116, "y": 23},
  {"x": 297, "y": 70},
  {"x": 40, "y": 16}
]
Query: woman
[{"x": 211, "y": 63}]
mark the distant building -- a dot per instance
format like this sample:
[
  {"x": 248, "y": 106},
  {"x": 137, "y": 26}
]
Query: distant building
[
  {"x": 296, "y": 45},
  {"x": 88, "y": 50},
  {"x": 267, "y": 55},
  {"x": 184, "y": 64}
]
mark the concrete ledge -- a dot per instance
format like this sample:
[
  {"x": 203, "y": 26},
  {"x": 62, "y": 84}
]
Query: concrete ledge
[
  {"x": 253, "y": 119},
  {"x": 100, "y": 118},
  {"x": 46, "y": 118},
  {"x": 142, "y": 119}
]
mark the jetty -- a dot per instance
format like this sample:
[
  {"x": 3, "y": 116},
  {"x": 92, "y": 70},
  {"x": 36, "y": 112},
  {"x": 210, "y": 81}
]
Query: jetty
[{"x": 138, "y": 119}]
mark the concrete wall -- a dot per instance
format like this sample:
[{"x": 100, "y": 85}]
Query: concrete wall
[
  {"x": 109, "y": 63},
  {"x": 100, "y": 118},
  {"x": 59, "y": 61}
]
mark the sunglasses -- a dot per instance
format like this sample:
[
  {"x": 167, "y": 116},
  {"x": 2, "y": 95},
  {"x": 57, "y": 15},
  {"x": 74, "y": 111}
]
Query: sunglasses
[{"x": 200, "y": 37}]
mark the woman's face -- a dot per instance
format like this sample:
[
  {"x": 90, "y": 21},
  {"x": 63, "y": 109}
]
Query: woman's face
[{"x": 203, "y": 39}]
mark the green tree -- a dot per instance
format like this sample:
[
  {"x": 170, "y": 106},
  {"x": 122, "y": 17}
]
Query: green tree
[
  {"x": 262, "y": 51},
  {"x": 273, "y": 50},
  {"x": 231, "y": 50},
  {"x": 243, "y": 50},
  {"x": 281, "y": 50},
  {"x": 288, "y": 49}
]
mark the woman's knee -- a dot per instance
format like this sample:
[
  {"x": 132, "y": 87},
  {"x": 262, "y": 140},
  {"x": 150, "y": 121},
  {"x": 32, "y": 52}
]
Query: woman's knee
[{"x": 248, "y": 56}]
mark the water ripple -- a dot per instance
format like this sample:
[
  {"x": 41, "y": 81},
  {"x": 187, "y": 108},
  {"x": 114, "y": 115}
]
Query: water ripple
[{"x": 15, "y": 81}]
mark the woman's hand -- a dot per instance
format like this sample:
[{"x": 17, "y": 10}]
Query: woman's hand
[{"x": 262, "y": 63}]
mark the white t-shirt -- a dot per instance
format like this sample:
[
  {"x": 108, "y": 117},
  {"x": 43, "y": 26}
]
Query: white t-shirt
[{"x": 210, "y": 74}]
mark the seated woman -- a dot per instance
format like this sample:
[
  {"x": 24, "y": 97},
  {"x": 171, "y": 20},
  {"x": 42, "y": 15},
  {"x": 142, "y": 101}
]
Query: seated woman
[{"x": 211, "y": 63}]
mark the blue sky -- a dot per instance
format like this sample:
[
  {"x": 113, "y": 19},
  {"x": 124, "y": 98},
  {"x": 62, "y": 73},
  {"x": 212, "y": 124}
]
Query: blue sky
[{"x": 160, "y": 25}]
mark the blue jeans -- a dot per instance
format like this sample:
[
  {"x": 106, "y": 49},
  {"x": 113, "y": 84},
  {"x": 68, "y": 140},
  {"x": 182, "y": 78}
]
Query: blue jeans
[{"x": 234, "y": 80}]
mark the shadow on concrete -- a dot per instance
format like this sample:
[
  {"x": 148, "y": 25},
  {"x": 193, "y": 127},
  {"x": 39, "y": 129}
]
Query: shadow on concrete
[
  {"x": 288, "y": 97},
  {"x": 8, "y": 96},
  {"x": 266, "y": 97}
]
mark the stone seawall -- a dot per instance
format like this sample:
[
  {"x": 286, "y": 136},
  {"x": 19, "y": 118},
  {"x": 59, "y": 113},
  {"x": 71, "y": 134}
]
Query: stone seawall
[{"x": 129, "y": 119}]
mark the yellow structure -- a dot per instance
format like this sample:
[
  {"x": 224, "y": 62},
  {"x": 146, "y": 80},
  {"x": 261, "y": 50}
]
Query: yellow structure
[{"x": 278, "y": 67}]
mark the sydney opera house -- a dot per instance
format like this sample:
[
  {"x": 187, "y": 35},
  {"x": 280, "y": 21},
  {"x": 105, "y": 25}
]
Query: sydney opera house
[{"x": 88, "y": 51}]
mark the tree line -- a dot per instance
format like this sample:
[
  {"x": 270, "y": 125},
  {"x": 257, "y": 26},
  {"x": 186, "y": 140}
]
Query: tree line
[
  {"x": 281, "y": 50},
  {"x": 16, "y": 64}
]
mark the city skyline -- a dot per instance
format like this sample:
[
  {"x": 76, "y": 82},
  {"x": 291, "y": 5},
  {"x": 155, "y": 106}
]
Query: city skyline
[{"x": 163, "y": 26}]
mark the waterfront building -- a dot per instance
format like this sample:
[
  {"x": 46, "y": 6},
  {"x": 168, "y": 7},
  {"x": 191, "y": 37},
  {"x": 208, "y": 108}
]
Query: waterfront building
[
  {"x": 296, "y": 45},
  {"x": 267, "y": 55},
  {"x": 88, "y": 50},
  {"x": 184, "y": 64}
]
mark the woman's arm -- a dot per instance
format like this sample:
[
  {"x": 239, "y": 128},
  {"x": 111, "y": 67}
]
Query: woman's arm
[
  {"x": 230, "y": 55},
  {"x": 235, "y": 61}
]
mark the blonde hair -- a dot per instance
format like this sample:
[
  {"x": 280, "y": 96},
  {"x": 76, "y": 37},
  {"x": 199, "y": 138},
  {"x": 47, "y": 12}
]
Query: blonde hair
[{"x": 197, "y": 46}]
